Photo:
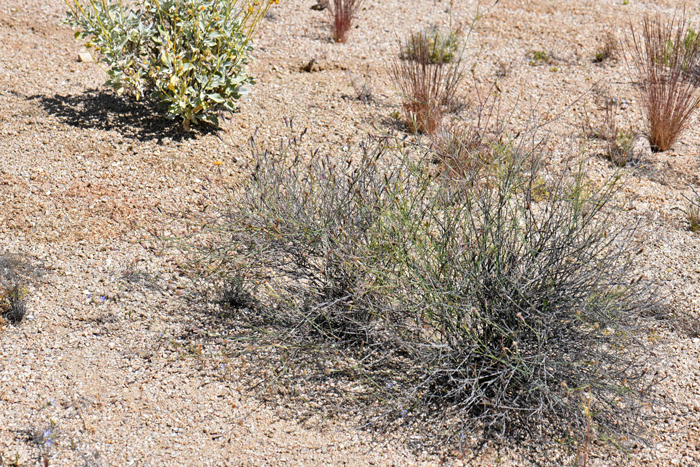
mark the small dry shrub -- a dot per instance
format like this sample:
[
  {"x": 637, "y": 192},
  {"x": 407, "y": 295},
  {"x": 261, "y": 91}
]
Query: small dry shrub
[
  {"x": 362, "y": 87},
  {"x": 619, "y": 142},
  {"x": 666, "y": 63},
  {"x": 539, "y": 57},
  {"x": 13, "y": 305},
  {"x": 693, "y": 212},
  {"x": 502, "y": 69},
  {"x": 432, "y": 45},
  {"x": 609, "y": 50},
  {"x": 463, "y": 150},
  {"x": 428, "y": 87},
  {"x": 342, "y": 15},
  {"x": 460, "y": 150}
]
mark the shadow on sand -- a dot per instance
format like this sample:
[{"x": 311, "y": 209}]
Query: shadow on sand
[{"x": 103, "y": 110}]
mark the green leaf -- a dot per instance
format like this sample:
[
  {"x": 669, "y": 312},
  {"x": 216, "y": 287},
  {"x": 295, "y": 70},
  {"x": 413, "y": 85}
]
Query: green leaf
[
  {"x": 216, "y": 97},
  {"x": 211, "y": 118}
]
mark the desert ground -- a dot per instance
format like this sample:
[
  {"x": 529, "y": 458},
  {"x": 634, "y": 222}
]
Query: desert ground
[{"x": 118, "y": 363}]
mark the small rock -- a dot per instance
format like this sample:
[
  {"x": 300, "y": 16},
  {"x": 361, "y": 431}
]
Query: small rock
[
  {"x": 313, "y": 66},
  {"x": 85, "y": 57},
  {"x": 641, "y": 148},
  {"x": 309, "y": 66}
]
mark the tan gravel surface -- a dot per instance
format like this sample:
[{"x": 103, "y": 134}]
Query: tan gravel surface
[{"x": 109, "y": 367}]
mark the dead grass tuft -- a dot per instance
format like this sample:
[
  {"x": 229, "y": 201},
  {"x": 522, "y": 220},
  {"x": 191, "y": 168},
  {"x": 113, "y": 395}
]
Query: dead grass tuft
[
  {"x": 13, "y": 305},
  {"x": 463, "y": 150}
]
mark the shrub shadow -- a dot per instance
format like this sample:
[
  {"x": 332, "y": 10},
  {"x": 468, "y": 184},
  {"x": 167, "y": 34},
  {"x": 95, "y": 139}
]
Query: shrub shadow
[
  {"x": 103, "y": 110},
  {"x": 306, "y": 378},
  {"x": 667, "y": 175},
  {"x": 15, "y": 268}
]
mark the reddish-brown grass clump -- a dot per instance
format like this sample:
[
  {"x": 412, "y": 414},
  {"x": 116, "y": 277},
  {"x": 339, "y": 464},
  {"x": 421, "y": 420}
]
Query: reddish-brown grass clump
[
  {"x": 342, "y": 14},
  {"x": 428, "y": 87},
  {"x": 666, "y": 58}
]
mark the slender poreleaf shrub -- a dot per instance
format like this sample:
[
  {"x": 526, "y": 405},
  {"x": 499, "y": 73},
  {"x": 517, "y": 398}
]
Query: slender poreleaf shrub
[
  {"x": 666, "y": 63},
  {"x": 342, "y": 14},
  {"x": 521, "y": 280},
  {"x": 428, "y": 74},
  {"x": 510, "y": 297},
  {"x": 187, "y": 56}
]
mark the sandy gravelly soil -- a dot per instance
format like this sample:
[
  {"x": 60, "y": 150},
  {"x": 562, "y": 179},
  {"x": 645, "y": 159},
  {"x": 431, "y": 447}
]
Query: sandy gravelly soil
[{"x": 105, "y": 370}]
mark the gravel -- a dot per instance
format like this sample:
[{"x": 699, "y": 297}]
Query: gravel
[{"x": 111, "y": 365}]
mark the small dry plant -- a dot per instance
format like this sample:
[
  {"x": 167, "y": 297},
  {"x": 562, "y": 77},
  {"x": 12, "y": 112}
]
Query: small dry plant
[
  {"x": 582, "y": 458},
  {"x": 610, "y": 48},
  {"x": 618, "y": 141},
  {"x": 693, "y": 212},
  {"x": 463, "y": 150},
  {"x": 362, "y": 87},
  {"x": 442, "y": 47},
  {"x": 13, "y": 304},
  {"x": 539, "y": 57},
  {"x": 342, "y": 14},
  {"x": 665, "y": 62},
  {"x": 428, "y": 86}
]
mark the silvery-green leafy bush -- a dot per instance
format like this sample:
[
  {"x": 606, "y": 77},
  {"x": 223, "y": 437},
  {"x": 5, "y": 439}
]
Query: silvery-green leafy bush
[{"x": 188, "y": 56}]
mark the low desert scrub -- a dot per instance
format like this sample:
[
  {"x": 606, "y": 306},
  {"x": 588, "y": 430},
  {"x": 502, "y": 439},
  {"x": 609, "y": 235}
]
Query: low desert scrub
[
  {"x": 427, "y": 82},
  {"x": 342, "y": 15},
  {"x": 362, "y": 87},
  {"x": 189, "y": 57},
  {"x": 515, "y": 283},
  {"x": 539, "y": 57},
  {"x": 460, "y": 152},
  {"x": 666, "y": 62},
  {"x": 504, "y": 298},
  {"x": 45, "y": 440}
]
